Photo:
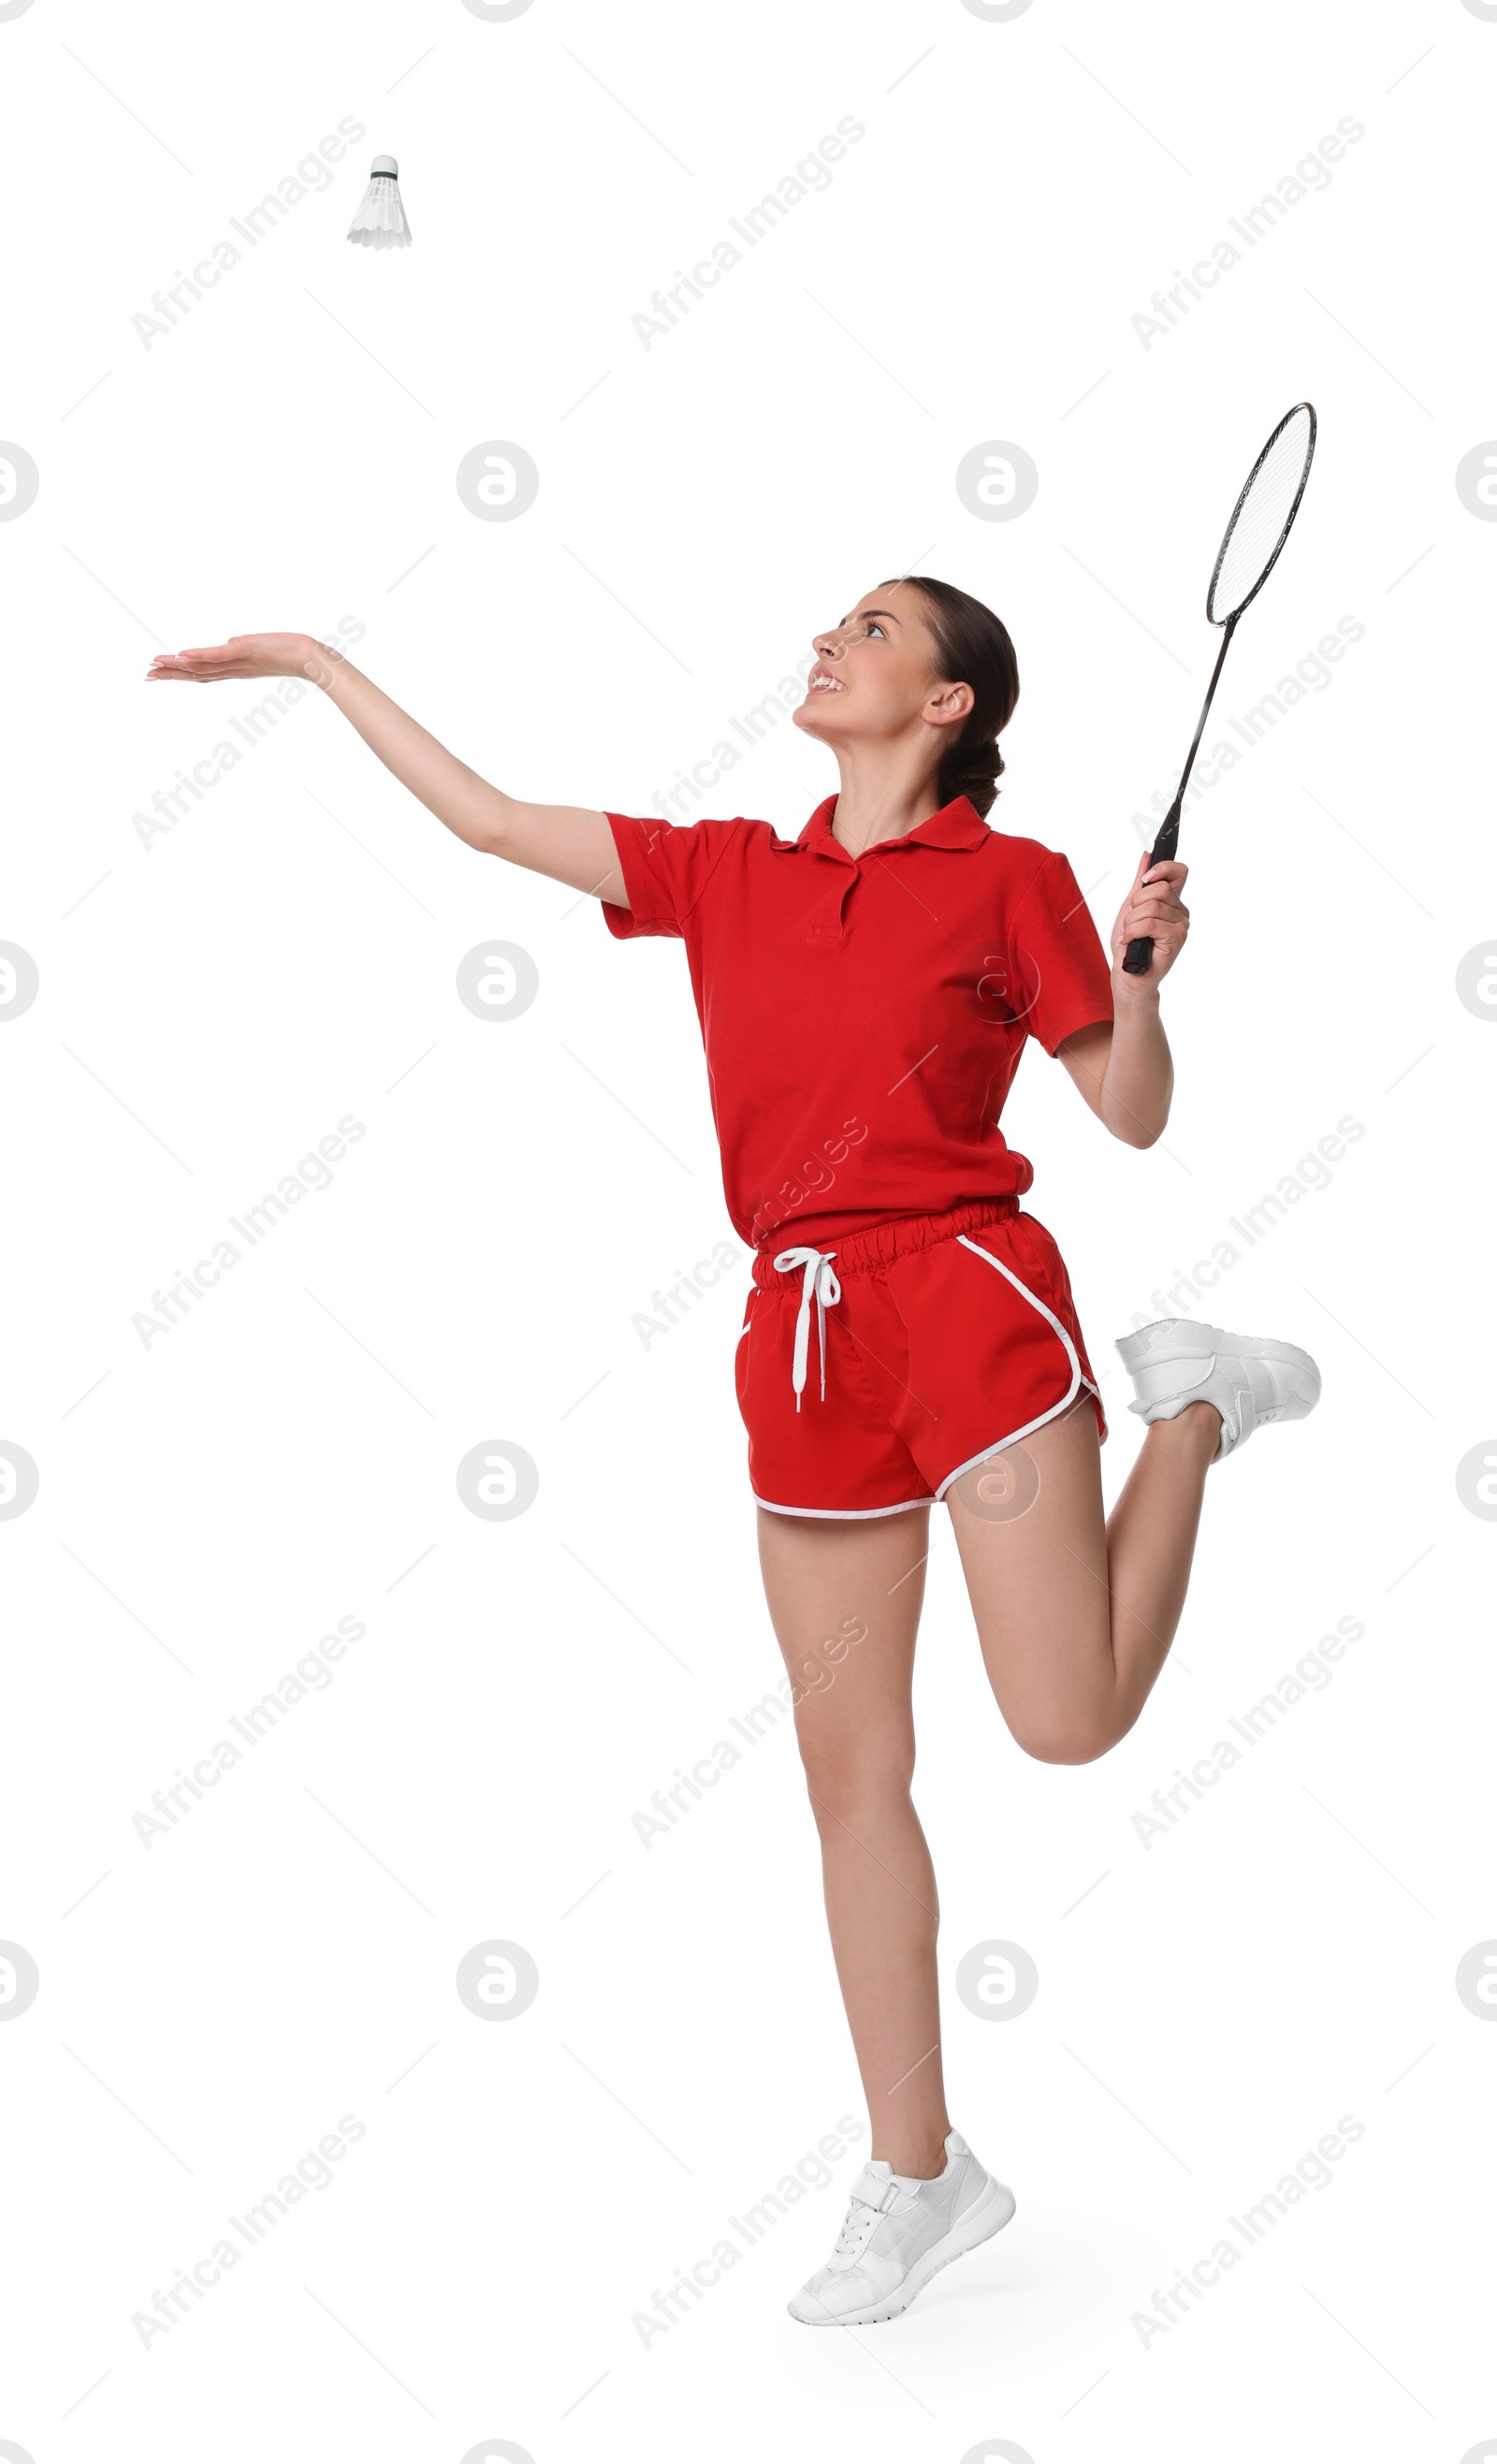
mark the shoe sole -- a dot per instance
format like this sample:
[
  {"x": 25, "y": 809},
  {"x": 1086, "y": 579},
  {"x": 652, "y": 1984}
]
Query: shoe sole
[{"x": 990, "y": 2211}]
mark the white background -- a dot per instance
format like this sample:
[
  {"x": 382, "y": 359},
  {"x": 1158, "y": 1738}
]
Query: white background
[{"x": 212, "y": 1003}]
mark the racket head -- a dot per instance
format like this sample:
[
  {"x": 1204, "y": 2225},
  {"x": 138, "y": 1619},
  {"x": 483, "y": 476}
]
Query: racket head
[{"x": 1263, "y": 515}]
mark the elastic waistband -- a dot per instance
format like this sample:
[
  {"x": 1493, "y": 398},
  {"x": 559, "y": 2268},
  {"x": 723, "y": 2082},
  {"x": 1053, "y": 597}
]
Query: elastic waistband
[{"x": 865, "y": 1253}]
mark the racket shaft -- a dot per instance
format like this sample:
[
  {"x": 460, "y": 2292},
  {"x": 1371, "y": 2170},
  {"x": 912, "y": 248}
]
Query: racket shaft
[
  {"x": 1227, "y": 632},
  {"x": 1139, "y": 952}
]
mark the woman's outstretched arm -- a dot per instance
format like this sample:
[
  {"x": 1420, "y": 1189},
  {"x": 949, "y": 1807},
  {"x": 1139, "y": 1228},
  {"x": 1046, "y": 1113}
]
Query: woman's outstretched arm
[{"x": 564, "y": 841}]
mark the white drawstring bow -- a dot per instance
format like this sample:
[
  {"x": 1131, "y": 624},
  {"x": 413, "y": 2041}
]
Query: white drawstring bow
[{"x": 818, "y": 1283}]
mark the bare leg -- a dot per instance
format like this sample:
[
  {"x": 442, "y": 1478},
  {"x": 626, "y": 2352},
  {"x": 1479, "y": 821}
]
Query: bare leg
[
  {"x": 844, "y": 1599},
  {"x": 1076, "y": 1618}
]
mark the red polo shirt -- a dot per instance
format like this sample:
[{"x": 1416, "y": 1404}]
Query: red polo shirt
[{"x": 863, "y": 1016}]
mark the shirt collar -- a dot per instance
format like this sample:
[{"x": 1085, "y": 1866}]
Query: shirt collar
[{"x": 957, "y": 825}]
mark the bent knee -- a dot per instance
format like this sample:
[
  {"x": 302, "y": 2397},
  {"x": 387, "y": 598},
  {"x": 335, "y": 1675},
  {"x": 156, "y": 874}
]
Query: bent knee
[{"x": 1050, "y": 1740}]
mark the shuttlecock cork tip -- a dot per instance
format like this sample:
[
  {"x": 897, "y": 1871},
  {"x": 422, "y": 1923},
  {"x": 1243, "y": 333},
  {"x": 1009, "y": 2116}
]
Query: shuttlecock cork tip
[{"x": 385, "y": 166}]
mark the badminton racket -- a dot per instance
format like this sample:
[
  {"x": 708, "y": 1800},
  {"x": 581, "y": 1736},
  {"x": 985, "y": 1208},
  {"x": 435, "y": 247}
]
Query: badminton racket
[{"x": 1262, "y": 520}]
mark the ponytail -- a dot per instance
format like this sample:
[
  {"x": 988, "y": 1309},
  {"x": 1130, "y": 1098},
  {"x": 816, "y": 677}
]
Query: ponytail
[{"x": 970, "y": 647}]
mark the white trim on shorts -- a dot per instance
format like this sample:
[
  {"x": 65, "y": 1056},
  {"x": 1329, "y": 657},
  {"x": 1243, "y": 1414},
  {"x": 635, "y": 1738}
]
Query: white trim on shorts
[
  {"x": 1077, "y": 1380},
  {"x": 843, "y": 1513}
]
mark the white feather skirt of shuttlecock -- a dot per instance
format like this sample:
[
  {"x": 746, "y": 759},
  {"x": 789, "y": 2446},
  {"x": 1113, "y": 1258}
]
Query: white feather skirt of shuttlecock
[{"x": 381, "y": 219}]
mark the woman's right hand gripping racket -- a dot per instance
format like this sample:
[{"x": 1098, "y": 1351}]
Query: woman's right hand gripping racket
[{"x": 1262, "y": 520}]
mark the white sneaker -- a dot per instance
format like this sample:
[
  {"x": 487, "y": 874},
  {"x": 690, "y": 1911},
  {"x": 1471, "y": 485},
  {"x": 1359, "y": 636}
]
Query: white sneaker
[
  {"x": 899, "y": 2233},
  {"x": 1250, "y": 1378}
]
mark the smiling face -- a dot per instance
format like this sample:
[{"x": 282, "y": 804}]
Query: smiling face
[{"x": 874, "y": 677}]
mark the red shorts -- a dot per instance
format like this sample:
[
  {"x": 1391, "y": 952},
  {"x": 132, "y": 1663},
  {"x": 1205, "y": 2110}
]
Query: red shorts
[{"x": 920, "y": 1349}]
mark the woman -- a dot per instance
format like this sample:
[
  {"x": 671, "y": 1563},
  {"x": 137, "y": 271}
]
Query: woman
[{"x": 866, "y": 992}]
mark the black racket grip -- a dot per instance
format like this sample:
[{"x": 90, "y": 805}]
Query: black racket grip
[{"x": 1141, "y": 951}]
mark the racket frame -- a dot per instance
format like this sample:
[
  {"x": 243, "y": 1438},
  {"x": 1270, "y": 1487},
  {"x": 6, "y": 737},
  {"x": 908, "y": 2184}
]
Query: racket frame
[
  {"x": 1140, "y": 952},
  {"x": 1288, "y": 519}
]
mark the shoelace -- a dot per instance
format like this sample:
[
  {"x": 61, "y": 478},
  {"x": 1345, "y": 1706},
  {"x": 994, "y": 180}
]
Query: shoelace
[
  {"x": 819, "y": 1284},
  {"x": 865, "y": 2209},
  {"x": 857, "y": 2228}
]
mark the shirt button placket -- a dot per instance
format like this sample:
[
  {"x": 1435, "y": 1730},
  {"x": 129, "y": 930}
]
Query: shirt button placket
[{"x": 827, "y": 921}]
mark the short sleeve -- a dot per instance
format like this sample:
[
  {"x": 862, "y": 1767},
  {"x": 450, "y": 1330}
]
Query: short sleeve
[
  {"x": 1059, "y": 957},
  {"x": 666, "y": 867}
]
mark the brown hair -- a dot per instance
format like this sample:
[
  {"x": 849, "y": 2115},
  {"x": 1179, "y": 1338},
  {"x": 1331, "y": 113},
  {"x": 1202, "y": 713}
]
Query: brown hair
[{"x": 970, "y": 647}]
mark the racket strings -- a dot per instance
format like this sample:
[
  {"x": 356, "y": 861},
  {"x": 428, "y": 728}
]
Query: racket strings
[{"x": 1262, "y": 517}]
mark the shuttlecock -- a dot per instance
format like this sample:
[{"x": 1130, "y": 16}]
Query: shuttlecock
[{"x": 381, "y": 219}]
